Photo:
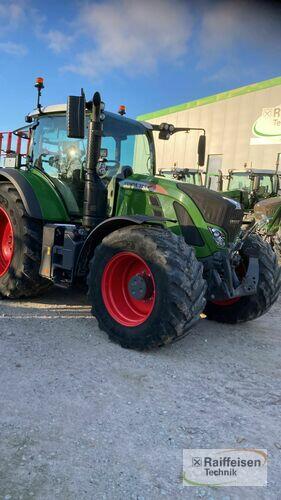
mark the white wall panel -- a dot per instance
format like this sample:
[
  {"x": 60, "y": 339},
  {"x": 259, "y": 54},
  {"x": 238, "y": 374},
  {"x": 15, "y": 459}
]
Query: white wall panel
[{"x": 228, "y": 125}]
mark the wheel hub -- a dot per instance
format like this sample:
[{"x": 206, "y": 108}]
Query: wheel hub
[
  {"x": 140, "y": 287},
  {"x": 128, "y": 289}
]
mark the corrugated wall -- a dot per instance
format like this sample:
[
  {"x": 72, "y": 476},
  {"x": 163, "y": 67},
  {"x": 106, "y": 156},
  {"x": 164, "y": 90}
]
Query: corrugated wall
[{"x": 228, "y": 125}]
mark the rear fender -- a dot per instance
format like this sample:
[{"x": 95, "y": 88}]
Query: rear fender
[
  {"x": 25, "y": 191},
  {"x": 40, "y": 198}
]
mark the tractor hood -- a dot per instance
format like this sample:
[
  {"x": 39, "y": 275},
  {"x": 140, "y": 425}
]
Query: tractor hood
[{"x": 223, "y": 212}]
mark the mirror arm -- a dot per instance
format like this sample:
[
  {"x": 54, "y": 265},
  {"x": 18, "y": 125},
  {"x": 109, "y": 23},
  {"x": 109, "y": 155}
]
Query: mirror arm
[
  {"x": 157, "y": 128},
  {"x": 188, "y": 129}
]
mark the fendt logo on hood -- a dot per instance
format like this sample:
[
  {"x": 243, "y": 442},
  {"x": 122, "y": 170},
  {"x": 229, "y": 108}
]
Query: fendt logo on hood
[
  {"x": 267, "y": 128},
  {"x": 143, "y": 186}
]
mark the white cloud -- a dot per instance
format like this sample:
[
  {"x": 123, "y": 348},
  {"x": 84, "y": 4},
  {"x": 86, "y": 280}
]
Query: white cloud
[
  {"x": 229, "y": 24},
  {"x": 231, "y": 72},
  {"x": 11, "y": 15},
  {"x": 13, "y": 49},
  {"x": 57, "y": 41},
  {"x": 131, "y": 35}
]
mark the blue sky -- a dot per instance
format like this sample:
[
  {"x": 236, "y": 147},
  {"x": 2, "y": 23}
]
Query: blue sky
[{"x": 147, "y": 54}]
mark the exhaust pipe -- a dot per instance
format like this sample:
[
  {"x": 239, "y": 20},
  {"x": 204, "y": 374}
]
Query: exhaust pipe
[{"x": 95, "y": 193}]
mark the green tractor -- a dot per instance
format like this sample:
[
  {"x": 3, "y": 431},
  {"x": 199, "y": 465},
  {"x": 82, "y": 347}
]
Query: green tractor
[
  {"x": 258, "y": 192},
  {"x": 154, "y": 253},
  {"x": 251, "y": 186}
]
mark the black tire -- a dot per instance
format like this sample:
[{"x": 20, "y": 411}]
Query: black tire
[
  {"x": 22, "y": 277},
  {"x": 179, "y": 286},
  {"x": 277, "y": 245},
  {"x": 252, "y": 306}
]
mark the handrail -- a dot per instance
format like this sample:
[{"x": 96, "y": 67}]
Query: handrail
[{"x": 7, "y": 142}]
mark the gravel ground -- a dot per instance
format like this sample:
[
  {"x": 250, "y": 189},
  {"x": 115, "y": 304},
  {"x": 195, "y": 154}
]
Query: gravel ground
[{"x": 82, "y": 418}]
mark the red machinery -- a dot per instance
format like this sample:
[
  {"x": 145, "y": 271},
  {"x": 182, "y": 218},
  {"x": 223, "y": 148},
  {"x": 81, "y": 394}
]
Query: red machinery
[{"x": 11, "y": 143}]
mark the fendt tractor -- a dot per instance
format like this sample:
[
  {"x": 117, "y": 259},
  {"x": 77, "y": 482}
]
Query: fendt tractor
[
  {"x": 258, "y": 191},
  {"x": 251, "y": 186},
  {"x": 154, "y": 253}
]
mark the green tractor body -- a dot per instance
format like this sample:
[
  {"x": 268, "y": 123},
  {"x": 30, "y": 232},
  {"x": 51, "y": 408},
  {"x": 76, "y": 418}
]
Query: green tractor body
[{"x": 155, "y": 253}]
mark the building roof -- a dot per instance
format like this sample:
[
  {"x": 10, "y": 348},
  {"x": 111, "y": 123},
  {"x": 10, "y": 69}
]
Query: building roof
[{"x": 254, "y": 87}]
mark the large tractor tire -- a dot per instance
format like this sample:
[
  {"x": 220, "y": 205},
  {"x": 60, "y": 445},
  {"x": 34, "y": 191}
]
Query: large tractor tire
[
  {"x": 20, "y": 248},
  {"x": 277, "y": 245},
  {"x": 249, "y": 307},
  {"x": 146, "y": 287}
]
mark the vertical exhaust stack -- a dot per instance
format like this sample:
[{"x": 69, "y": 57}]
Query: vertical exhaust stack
[{"x": 95, "y": 194}]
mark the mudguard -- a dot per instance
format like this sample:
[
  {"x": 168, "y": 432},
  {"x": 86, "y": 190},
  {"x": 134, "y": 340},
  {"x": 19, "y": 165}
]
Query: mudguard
[
  {"x": 25, "y": 190},
  {"x": 40, "y": 198},
  {"x": 106, "y": 227}
]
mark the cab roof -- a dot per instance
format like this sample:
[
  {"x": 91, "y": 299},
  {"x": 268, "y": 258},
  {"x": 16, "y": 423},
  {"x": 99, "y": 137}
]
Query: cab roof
[
  {"x": 54, "y": 108},
  {"x": 61, "y": 108}
]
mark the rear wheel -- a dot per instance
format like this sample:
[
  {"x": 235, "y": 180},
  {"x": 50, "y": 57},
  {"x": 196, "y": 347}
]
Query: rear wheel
[
  {"x": 249, "y": 307},
  {"x": 146, "y": 287},
  {"x": 20, "y": 248}
]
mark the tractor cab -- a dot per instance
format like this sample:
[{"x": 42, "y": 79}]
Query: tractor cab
[{"x": 63, "y": 159}]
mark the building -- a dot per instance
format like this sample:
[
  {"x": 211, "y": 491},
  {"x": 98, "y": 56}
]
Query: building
[{"x": 243, "y": 128}]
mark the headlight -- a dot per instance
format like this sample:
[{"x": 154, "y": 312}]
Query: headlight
[{"x": 218, "y": 236}]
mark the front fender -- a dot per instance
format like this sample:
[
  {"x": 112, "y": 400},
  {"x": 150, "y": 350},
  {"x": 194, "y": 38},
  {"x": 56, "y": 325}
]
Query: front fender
[{"x": 106, "y": 227}]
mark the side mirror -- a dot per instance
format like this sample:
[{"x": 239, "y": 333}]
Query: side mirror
[
  {"x": 164, "y": 135},
  {"x": 75, "y": 117},
  {"x": 201, "y": 150},
  {"x": 166, "y": 130}
]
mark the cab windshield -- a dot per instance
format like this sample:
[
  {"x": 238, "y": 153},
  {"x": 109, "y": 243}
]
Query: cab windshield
[
  {"x": 239, "y": 181},
  {"x": 247, "y": 182},
  {"x": 125, "y": 143}
]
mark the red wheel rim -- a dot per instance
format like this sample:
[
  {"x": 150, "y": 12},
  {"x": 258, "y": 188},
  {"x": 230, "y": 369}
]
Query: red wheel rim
[
  {"x": 119, "y": 302},
  {"x": 6, "y": 242}
]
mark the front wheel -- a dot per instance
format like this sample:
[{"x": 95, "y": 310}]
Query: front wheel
[
  {"x": 249, "y": 307},
  {"x": 146, "y": 286}
]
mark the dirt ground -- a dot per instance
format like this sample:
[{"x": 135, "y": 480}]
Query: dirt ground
[{"x": 82, "y": 418}]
